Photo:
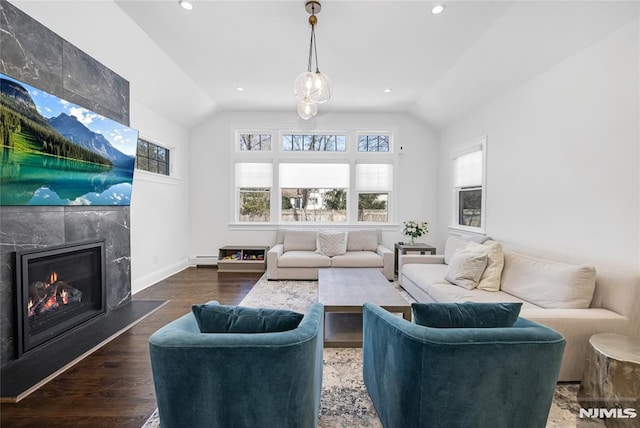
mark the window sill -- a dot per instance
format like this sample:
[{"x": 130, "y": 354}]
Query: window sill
[
  {"x": 467, "y": 230},
  {"x": 155, "y": 178},
  {"x": 276, "y": 226}
]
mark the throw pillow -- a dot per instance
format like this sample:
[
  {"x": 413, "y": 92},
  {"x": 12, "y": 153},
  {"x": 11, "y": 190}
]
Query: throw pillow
[
  {"x": 331, "y": 243},
  {"x": 466, "y": 315},
  {"x": 490, "y": 280},
  {"x": 213, "y": 317},
  {"x": 363, "y": 240},
  {"x": 466, "y": 268}
]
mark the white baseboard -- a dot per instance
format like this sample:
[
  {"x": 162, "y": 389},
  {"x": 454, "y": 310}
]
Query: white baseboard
[{"x": 152, "y": 278}]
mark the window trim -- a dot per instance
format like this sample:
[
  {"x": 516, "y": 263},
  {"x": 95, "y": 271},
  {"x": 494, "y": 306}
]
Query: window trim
[{"x": 479, "y": 144}]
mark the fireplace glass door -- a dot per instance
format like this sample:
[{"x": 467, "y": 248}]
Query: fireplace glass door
[{"x": 59, "y": 289}]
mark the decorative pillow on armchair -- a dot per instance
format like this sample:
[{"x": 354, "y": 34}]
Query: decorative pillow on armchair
[
  {"x": 466, "y": 268},
  {"x": 213, "y": 317},
  {"x": 466, "y": 315}
]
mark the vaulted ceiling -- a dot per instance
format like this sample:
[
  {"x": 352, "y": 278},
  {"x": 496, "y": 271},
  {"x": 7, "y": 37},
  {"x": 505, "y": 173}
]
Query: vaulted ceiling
[{"x": 187, "y": 65}]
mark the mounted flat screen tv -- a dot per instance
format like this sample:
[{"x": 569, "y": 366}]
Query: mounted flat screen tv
[{"x": 53, "y": 152}]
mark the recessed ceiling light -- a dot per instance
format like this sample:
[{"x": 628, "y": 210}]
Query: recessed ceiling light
[
  {"x": 437, "y": 9},
  {"x": 239, "y": 89},
  {"x": 387, "y": 90},
  {"x": 187, "y": 5}
]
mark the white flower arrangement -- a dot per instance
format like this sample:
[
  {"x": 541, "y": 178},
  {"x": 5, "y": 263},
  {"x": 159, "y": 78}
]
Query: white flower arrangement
[{"x": 414, "y": 229}]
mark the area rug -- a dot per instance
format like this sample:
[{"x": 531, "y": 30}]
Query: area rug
[{"x": 344, "y": 402}]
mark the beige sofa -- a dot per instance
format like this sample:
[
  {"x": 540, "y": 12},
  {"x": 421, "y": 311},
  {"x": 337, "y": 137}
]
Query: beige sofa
[
  {"x": 571, "y": 299},
  {"x": 294, "y": 255}
]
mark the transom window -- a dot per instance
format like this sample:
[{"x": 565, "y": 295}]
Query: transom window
[
  {"x": 255, "y": 142},
  {"x": 314, "y": 143},
  {"x": 314, "y": 177},
  {"x": 152, "y": 157},
  {"x": 373, "y": 143}
]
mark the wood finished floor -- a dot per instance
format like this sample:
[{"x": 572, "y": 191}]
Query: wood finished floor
[{"x": 113, "y": 387}]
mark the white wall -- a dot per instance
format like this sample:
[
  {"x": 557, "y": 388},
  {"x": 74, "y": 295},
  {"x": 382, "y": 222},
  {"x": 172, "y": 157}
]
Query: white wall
[
  {"x": 159, "y": 209},
  {"x": 563, "y": 157},
  {"x": 211, "y": 172},
  {"x": 159, "y": 205}
]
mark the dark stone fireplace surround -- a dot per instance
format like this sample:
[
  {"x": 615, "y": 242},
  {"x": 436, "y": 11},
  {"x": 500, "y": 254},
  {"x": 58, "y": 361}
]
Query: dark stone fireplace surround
[{"x": 35, "y": 55}]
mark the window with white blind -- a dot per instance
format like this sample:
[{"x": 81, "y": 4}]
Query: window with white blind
[
  {"x": 314, "y": 192},
  {"x": 468, "y": 183},
  {"x": 253, "y": 184},
  {"x": 374, "y": 182}
]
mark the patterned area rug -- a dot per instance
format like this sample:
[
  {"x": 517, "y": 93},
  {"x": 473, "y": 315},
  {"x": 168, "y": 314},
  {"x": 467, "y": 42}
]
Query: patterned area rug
[{"x": 345, "y": 402}]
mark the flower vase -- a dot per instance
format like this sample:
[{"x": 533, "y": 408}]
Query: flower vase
[{"x": 413, "y": 240}]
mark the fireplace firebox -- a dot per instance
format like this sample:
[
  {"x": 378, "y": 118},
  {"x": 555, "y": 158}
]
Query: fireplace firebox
[{"x": 58, "y": 289}]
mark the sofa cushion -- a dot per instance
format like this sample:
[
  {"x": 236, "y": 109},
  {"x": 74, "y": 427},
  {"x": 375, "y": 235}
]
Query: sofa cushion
[
  {"x": 331, "y": 243},
  {"x": 466, "y": 315},
  {"x": 299, "y": 240},
  {"x": 357, "y": 259},
  {"x": 362, "y": 240},
  {"x": 215, "y": 318},
  {"x": 445, "y": 293},
  {"x": 546, "y": 283},
  {"x": 303, "y": 259},
  {"x": 425, "y": 275},
  {"x": 466, "y": 267},
  {"x": 491, "y": 276}
]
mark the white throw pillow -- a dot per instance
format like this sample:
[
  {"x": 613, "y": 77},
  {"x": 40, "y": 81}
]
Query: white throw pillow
[
  {"x": 331, "y": 243},
  {"x": 466, "y": 268},
  {"x": 490, "y": 280},
  {"x": 363, "y": 240}
]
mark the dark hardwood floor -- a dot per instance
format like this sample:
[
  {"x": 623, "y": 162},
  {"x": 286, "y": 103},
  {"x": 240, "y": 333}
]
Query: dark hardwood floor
[{"x": 113, "y": 387}]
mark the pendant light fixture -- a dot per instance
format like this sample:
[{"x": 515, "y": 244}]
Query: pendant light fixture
[{"x": 312, "y": 87}]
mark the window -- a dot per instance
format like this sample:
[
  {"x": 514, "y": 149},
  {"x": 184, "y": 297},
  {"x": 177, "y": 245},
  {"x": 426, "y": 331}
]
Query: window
[
  {"x": 313, "y": 192},
  {"x": 153, "y": 158},
  {"x": 255, "y": 142},
  {"x": 469, "y": 187},
  {"x": 253, "y": 184},
  {"x": 303, "y": 177},
  {"x": 373, "y": 143},
  {"x": 314, "y": 143},
  {"x": 373, "y": 184}
]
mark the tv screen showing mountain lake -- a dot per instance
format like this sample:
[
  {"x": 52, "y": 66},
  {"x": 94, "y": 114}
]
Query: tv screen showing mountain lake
[{"x": 53, "y": 152}]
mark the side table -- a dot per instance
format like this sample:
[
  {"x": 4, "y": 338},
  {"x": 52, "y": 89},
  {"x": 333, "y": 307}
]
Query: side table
[
  {"x": 403, "y": 248},
  {"x": 611, "y": 382}
]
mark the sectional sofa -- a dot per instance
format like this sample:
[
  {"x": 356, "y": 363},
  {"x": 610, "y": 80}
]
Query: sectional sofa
[
  {"x": 295, "y": 255},
  {"x": 573, "y": 300}
]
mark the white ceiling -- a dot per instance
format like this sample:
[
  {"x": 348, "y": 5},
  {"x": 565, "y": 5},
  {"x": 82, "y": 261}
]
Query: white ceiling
[{"x": 186, "y": 65}]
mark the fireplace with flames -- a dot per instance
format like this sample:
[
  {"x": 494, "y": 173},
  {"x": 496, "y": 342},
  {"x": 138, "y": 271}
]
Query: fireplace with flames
[{"x": 59, "y": 289}]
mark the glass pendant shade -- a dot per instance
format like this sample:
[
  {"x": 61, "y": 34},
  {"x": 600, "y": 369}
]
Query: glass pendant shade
[
  {"x": 323, "y": 83},
  {"x": 306, "y": 110},
  {"x": 312, "y": 87}
]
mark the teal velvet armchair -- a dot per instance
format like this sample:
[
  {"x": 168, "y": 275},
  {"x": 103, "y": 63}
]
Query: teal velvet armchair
[
  {"x": 459, "y": 377},
  {"x": 238, "y": 379}
]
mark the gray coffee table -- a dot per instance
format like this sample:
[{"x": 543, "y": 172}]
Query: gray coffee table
[{"x": 343, "y": 291}]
